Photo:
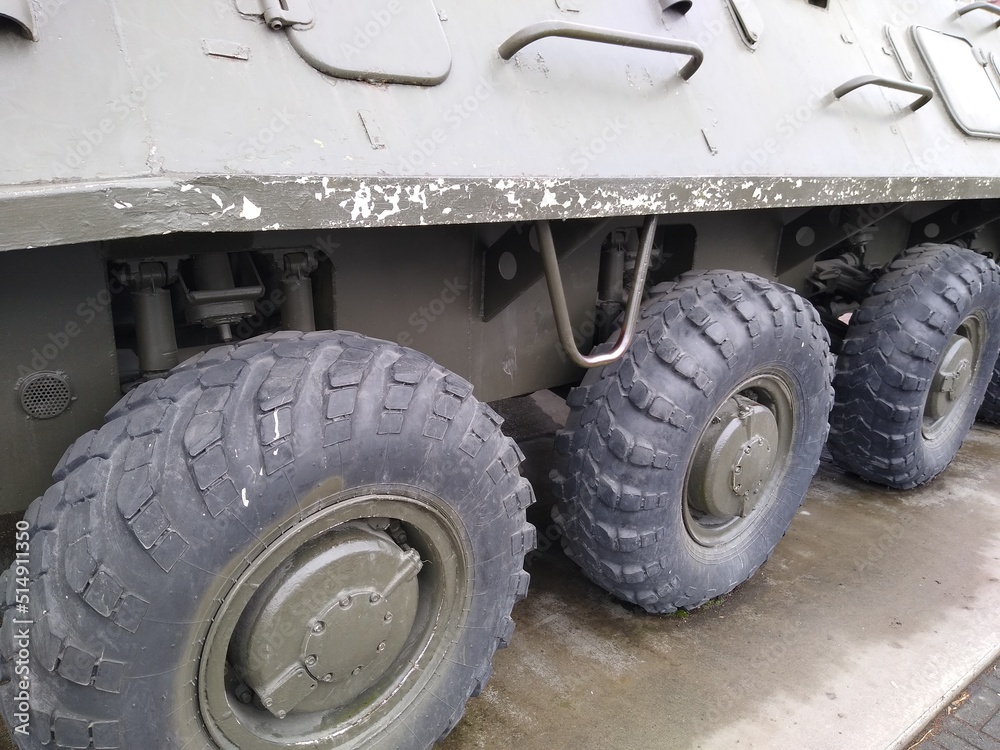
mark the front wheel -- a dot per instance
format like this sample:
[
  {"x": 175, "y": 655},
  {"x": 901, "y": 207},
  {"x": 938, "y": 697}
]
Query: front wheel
[
  {"x": 683, "y": 464},
  {"x": 302, "y": 541}
]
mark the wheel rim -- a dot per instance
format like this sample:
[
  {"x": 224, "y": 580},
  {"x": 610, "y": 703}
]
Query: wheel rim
[
  {"x": 335, "y": 625},
  {"x": 950, "y": 387},
  {"x": 740, "y": 460}
]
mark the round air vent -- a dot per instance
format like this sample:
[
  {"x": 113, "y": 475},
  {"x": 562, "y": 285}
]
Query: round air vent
[{"x": 45, "y": 394}]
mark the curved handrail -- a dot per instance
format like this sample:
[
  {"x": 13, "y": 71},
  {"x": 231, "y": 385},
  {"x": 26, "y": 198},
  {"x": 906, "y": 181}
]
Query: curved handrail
[
  {"x": 926, "y": 93},
  {"x": 988, "y": 7},
  {"x": 565, "y": 30},
  {"x": 557, "y": 296}
]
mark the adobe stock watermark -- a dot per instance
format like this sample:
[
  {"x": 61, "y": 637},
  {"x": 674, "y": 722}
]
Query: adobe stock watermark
[
  {"x": 785, "y": 129},
  {"x": 452, "y": 119},
  {"x": 587, "y": 154},
  {"x": 365, "y": 34},
  {"x": 426, "y": 315},
  {"x": 21, "y": 634},
  {"x": 120, "y": 109},
  {"x": 255, "y": 145}
]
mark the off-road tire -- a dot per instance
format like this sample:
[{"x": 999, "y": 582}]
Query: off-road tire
[
  {"x": 891, "y": 355},
  {"x": 193, "y": 476},
  {"x": 989, "y": 410},
  {"x": 634, "y": 426}
]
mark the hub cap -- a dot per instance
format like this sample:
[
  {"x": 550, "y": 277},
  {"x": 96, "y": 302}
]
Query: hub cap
[
  {"x": 336, "y": 625},
  {"x": 741, "y": 457},
  {"x": 950, "y": 384}
]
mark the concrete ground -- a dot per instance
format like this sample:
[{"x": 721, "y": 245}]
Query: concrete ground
[
  {"x": 877, "y": 608},
  {"x": 876, "y": 611}
]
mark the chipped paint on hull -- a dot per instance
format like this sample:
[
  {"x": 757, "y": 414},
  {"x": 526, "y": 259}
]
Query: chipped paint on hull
[{"x": 61, "y": 214}]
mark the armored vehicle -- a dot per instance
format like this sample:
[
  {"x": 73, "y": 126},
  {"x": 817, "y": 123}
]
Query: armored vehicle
[{"x": 264, "y": 263}]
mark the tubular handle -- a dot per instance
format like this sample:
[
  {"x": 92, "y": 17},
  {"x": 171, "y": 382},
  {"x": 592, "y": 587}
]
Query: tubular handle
[
  {"x": 565, "y": 30},
  {"x": 557, "y": 296},
  {"x": 988, "y": 7},
  {"x": 926, "y": 93}
]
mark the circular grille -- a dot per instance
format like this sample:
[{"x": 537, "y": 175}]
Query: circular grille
[{"x": 45, "y": 395}]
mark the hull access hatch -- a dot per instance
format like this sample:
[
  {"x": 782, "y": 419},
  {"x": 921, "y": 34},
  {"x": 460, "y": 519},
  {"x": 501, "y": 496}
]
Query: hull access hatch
[{"x": 387, "y": 41}]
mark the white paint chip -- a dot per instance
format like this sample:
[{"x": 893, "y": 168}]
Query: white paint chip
[
  {"x": 250, "y": 211},
  {"x": 246, "y": 502}
]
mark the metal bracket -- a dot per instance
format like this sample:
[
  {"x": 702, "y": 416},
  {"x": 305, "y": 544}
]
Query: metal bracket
[
  {"x": 819, "y": 230},
  {"x": 281, "y": 13},
  {"x": 954, "y": 221},
  {"x": 557, "y": 296}
]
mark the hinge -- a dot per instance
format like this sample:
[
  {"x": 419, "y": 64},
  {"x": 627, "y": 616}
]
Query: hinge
[{"x": 281, "y": 13}]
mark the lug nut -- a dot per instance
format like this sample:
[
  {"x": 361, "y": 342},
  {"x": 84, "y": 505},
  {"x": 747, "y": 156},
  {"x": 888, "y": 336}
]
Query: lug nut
[
  {"x": 311, "y": 660},
  {"x": 381, "y": 646},
  {"x": 376, "y": 598},
  {"x": 281, "y": 714},
  {"x": 268, "y": 702},
  {"x": 388, "y": 617},
  {"x": 356, "y": 672},
  {"x": 319, "y": 627},
  {"x": 328, "y": 678},
  {"x": 345, "y": 602}
]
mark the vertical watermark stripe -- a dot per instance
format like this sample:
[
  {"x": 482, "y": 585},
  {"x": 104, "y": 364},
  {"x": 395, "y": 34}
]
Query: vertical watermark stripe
[{"x": 22, "y": 630}]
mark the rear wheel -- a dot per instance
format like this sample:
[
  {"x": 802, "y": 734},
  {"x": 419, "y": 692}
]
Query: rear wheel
[
  {"x": 303, "y": 541},
  {"x": 916, "y": 362},
  {"x": 683, "y": 464}
]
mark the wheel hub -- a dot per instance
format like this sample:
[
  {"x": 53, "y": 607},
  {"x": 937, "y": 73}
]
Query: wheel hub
[
  {"x": 734, "y": 459},
  {"x": 330, "y": 623},
  {"x": 952, "y": 378}
]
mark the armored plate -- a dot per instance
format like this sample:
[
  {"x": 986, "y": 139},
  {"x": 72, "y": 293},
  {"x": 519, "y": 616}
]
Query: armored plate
[
  {"x": 399, "y": 41},
  {"x": 963, "y": 80}
]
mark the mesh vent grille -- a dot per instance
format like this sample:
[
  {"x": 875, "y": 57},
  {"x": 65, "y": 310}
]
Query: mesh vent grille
[{"x": 45, "y": 395}]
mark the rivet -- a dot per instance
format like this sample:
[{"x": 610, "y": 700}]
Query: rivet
[
  {"x": 328, "y": 678},
  {"x": 381, "y": 646},
  {"x": 376, "y": 598},
  {"x": 311, "y": 660}
]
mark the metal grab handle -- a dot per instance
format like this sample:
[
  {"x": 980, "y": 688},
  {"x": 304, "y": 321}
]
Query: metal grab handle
[
  {"x": 533, "y": 33},
  {"x": 926, "y": 92},
  {"x": 558, "y": 296},
  {"x": 988, "y": 7}
]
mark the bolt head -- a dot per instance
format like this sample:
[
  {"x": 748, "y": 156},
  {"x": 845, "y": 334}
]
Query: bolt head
[
  {"x": 381, "y": 646},
  {"x": 311, "y": 660},
  {"x": 328, "y": 678},
  {"x": 375, "y": 598},
  {"x": 356, "y": 672},
  {"x": 319, "y": 627},
  {"x": 388, "y": 617}
]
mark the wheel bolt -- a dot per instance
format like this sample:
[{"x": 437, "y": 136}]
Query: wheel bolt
[
  {"x": 388, "y": 617},
  {"x": 281, "y": 714},
  {"x": 244, "y": 695},
  {"x": 268, "y": 702},
  {"x": 311, "y": 660},
  {"x": 328, "y": 678},
  {"x": 381, "y": 646},
  {"x": 319, "y": 627},
  {"x": 356, "y": 672},
  {"x": 345, "y": 602},
  {"x": 376, "y": 598}
]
